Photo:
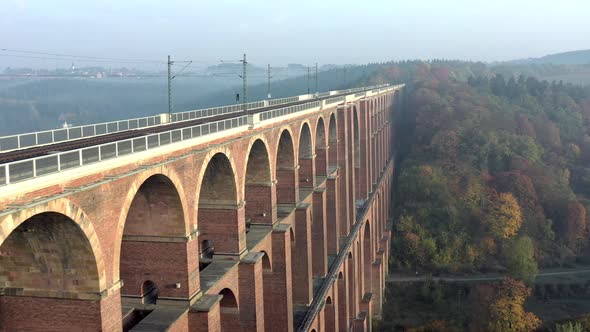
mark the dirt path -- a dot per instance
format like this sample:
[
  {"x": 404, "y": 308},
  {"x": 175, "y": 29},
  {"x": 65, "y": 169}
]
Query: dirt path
[{"x": 485, "y": 277}]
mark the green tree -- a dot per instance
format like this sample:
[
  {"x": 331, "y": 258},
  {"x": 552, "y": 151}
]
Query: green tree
[
  {"x": 569, "y": 327},
  {"x": 521, "y": 261}
]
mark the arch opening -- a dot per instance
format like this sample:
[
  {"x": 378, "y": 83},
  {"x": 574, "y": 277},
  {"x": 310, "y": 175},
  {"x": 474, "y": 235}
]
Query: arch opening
[
  {"x": 321, "y": 149},
  {"x": 155, "y": 212},
  {"x": 229, "y": 312},
  {"x": 306, "y": 161},
  {"x": 333, "y": 144},
  {"x": 357, "y": 155},
  {"x": 258, "y": 188},
  {"x": 47, "y": 263},
  {"x": 219, "y": 213},
  {"x": 48, "y": 252},
  {"x": 266, "y": 265},
  {"x": 149, "y": 292},
  {"x": 286, "y": 171}
]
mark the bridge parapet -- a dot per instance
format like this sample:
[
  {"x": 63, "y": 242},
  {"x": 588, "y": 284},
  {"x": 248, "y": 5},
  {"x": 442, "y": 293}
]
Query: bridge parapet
[{"x": 17, "y": 171}]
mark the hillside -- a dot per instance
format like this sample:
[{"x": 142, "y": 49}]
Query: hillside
[{"x": 580, "y": 57}]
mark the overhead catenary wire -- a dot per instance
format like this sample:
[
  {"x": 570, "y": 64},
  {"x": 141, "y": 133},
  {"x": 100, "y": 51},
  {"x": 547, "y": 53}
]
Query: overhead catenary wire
[{"x": 79, "y": 56}]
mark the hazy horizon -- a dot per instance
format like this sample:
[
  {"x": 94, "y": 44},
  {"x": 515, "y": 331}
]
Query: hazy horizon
[{"x": 286, "y": 32}]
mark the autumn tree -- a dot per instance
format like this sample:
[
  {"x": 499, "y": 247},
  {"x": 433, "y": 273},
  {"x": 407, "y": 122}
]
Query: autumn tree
[
  {"x": 573, "y": 226},
  {"x": 504, "y": 216},
  {"x": 506, "y": 310}
]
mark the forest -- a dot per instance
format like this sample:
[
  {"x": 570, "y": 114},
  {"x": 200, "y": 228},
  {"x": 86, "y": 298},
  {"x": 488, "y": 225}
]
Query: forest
[{"x": 492, "y": 177}]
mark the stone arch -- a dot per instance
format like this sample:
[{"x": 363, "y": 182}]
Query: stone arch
[
  {"x": 49, "y": 264},
  {"x": 266, "y": 262},
  {"x": 329, "y": 314},
  {"x": 333, "y": 143},
  {"x": 305, "y": 146},
  {"x": 306, "y": 159},
  {"x": 220, "y": 215},
  {"x": 156, "y": 209},
  {"x": 70, "y": 210},
  {"x": 258, "y": 185},
  {"x": 229, "y": 311},
  {"x": 48, "y": 252},
  {"x": 156, "y": 213},
  {"x": 229, "y": 299},
  {"x": 321, "y": 149},
  {"x": 218, "y": 169},
  {"x": 286, "y": 169},
  {"x": 131, "y": 193}
]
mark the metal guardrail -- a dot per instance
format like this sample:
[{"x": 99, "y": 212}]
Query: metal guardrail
[
  {"x": 288, "y": 110},
  {"x": 21, "y": 141},
  {"x": 65, "y": 134},
  {"x": 198, "y": 114},
  {"x": 54, "y": 163},
  {"x": 286, "y": 100},
  {"x": 340, "y": 99}
]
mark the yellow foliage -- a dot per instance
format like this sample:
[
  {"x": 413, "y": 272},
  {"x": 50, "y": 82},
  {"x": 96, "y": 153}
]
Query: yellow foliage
[
  {"x": 504, "y": 216},
  {"x": 507, "y": 312}
]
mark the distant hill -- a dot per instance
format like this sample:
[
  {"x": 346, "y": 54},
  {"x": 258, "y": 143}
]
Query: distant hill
[{"x": 581, "y": 57}]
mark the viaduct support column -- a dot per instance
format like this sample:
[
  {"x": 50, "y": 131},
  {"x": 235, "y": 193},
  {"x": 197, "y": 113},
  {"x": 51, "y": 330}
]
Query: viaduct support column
[
  {"x": 278, "y": 305},
  {"x": 364, "y": 121},
  {"x": 251, "y": 292},
  {"x": 345, "y": 171},
  {"x": 302, "y": 256},
  {"x": 333, "y": 214},
  {"x": 318, "y": 234},
  {"x": 343, "y": 300}
]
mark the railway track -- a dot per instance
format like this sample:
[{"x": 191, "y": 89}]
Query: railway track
[{"x": 38, "y": 151}]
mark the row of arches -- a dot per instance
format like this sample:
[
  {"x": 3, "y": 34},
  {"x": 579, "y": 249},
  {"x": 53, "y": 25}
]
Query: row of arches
[{"x": 51, "y": 255}]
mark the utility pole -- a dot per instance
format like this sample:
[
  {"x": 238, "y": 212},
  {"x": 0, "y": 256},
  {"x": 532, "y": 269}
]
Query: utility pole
[
  {"x": 170, "y": 78},
  {"x": 268, "y": 87},
  {"x": 308, "y": 78},
  {"x": 169, "y": 89},
  {"x": 316, "y": 80},
  {"x": 344, "y": 74},
  {"x": 245, "y": 83}
]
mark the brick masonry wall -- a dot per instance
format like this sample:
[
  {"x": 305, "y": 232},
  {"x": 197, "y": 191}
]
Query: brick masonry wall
[{"x": 170, "y": 207}]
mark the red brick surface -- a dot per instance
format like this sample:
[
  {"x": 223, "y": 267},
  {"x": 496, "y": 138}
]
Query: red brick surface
[{"x": 198, "y": 196}]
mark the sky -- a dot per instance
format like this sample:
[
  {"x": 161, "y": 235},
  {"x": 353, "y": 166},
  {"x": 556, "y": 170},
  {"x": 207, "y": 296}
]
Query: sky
[{"x": 303, "y": 31}]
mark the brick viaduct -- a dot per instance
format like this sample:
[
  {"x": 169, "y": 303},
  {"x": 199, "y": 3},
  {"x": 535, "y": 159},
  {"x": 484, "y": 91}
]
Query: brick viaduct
[{"x": 277, "y": 227}]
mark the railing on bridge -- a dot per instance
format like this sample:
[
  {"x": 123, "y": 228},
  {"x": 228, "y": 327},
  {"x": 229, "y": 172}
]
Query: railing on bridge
[
  {"x": 57, "y": 162},
  {"x": 65, "y": 134},
  {"x": 286, "y": 100},
  {"x": 288, "y": 110},
  {"x": 214, "y": 111},
  {"x": 35, "y": 167},
  {"x": 340, "y": 99},
  {"x": 27, "y": 140}
]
